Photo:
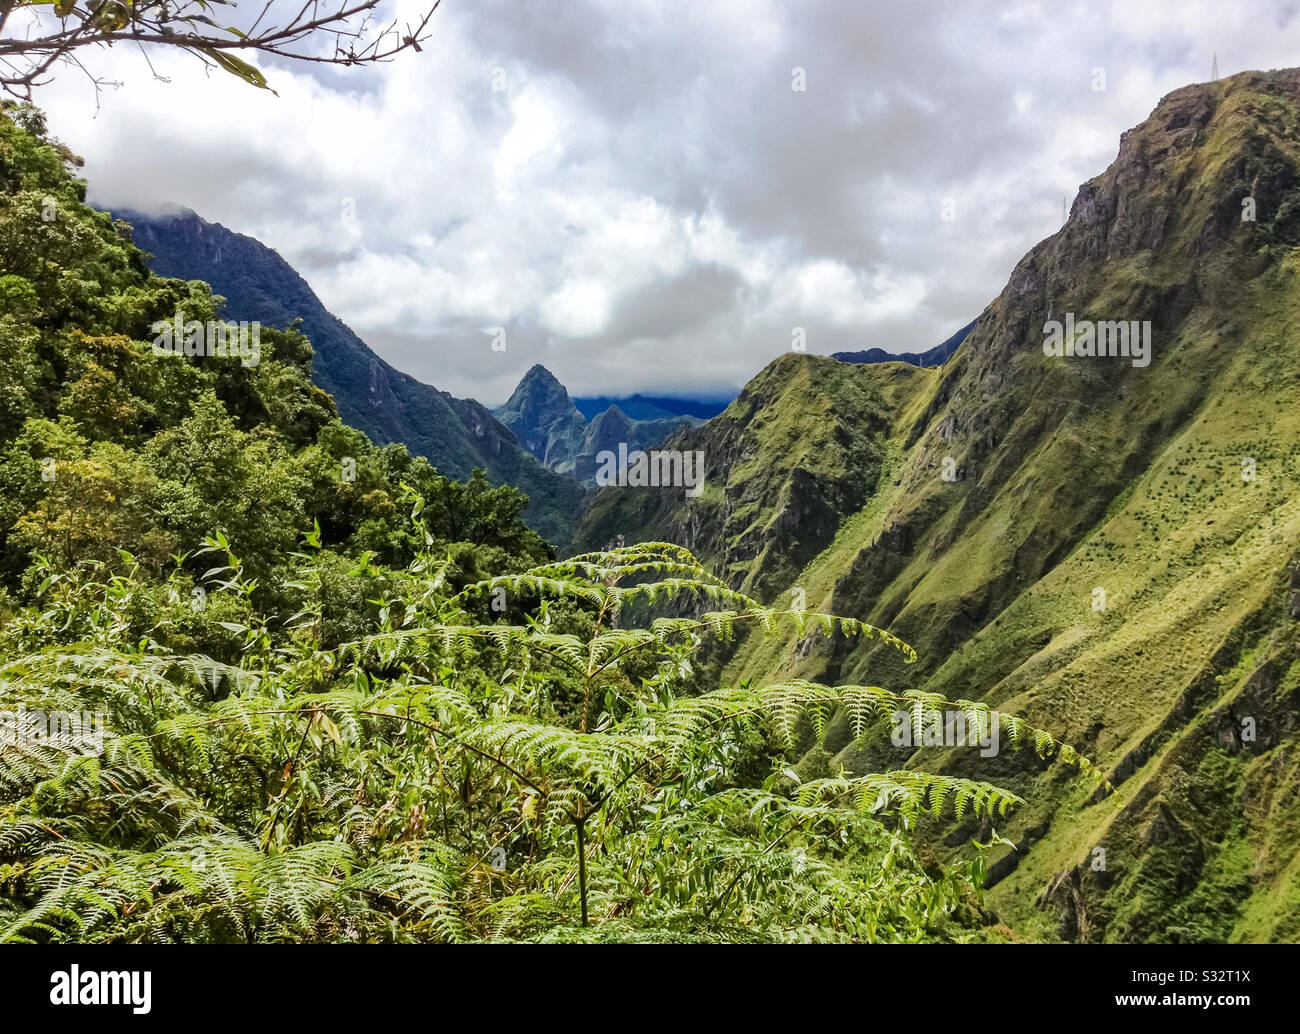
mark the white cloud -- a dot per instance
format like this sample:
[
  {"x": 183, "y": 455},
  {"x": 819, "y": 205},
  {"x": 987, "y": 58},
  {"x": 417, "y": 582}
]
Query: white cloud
[
  {"x": 647, "y": 204},
  {"x": 580, "y": 308}
]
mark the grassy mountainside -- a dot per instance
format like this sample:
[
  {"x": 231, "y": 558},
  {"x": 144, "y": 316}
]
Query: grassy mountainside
[
  {"x": 804, "y": 443},
  {"x": 374, "y": 707},
  {"x": 456, "y": 435},
  {"x": 1073, "y": 475}
]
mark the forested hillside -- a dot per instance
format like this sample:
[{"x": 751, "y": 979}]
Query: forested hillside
[
  {"x": 110, "y": 446},
  {"x": 340, "y": 695},
  {"x": 391, "y": 407}
]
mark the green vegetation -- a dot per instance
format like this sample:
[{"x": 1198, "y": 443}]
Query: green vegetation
[
  {"x": 341, "y": 697},
  {"x": 554, "y": 774},
  {"x": 411, "y": 722},
  {"x": 1075, "y": 476},
  {"x": 105, "y": 445},
  {"x": 457, "y": 435},
  {"x": 801, "y": 446}
]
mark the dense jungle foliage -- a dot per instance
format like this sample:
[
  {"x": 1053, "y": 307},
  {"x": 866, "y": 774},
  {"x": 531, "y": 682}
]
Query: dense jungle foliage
[{"x": 344, "y": 698}]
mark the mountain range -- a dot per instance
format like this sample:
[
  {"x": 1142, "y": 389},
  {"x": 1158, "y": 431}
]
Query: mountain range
[
  {"x": 548, "y": 423},
  {"x": 936, "y": 356},
  {"x": 1108, "y": 548},
  {"x": 540, "y": 440},
  {"x": 456, "y": 434},
  {"x": 650, "y": 407}
]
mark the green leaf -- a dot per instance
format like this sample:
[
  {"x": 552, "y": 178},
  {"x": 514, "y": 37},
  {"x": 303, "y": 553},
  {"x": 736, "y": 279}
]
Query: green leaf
[{"x": 236, "y": 66}]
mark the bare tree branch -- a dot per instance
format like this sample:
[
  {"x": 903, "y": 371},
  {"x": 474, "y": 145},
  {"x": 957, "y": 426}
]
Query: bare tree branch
[{"x": 36, "y": 35}]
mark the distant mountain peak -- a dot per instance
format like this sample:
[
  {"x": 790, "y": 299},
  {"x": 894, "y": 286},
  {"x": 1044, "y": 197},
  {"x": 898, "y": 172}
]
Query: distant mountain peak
[
  {"x": 647, "y": 407},
  {"x": 539, "y": 380},
  {"x": 544, "y": 418},
  {"x": 539, "y": 395},
  {"x": 550, "y": 426},
  {"x": 936, "y": 356}
]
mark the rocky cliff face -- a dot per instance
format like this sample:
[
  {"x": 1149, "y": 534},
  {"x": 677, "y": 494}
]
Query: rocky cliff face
[
  {"x": 1084, "y": 474},
  {"x": 1103, "y": 546},
  {"x": 544, "y": 419}
]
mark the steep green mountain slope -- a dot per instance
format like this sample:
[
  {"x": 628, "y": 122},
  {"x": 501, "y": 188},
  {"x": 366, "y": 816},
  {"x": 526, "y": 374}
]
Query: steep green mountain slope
[
  {"x": 1069, "y": 478},
  {"x": 805, "y": 442},
  {"x": 550, "y": 426},
  {"x": 361, "y": 713},
  {"x": 456, "y": 435}
]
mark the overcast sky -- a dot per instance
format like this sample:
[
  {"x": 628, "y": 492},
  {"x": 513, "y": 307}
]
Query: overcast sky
[{"x": 636, "y": 190}]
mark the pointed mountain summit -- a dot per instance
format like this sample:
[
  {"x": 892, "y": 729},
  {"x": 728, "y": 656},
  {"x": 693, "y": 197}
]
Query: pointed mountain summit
[
  {"x": 609, "y": 428},
  {"x": 544, "y": 419},
  {"x": 548, "y": 424}
]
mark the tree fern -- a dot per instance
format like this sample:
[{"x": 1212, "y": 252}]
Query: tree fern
[{"x": 458, "y": 773}]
